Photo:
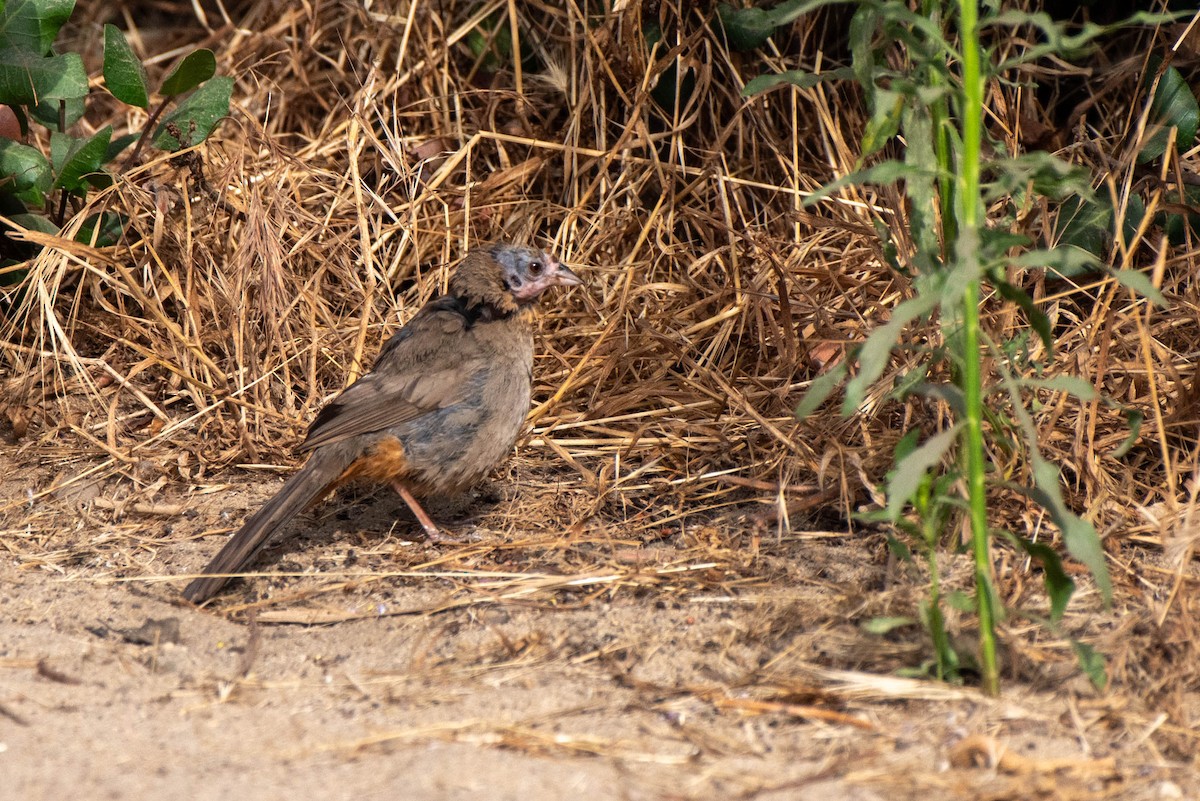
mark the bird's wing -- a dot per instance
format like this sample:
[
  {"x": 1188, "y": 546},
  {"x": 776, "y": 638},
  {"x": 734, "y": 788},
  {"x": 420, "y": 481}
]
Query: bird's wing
[{"x": 421, "y": 369}]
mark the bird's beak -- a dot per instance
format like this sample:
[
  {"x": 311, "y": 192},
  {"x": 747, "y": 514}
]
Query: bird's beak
[{"x": 563, "y": 276}]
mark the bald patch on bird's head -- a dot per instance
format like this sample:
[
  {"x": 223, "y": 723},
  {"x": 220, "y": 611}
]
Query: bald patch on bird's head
[{"x": 508, "y": 277}]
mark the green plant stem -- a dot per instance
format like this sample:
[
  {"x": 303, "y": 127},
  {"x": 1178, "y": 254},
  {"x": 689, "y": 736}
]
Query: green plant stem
[
  {"x": 976, "y": 490},
  {"x": 937, "y": 623},
  {"x": 930, "y": 532},
  {"x": 146, "y": 129},
  {"x": 967, "y": 252},
  {"x": 939, "y": 117},
  {"x": 61, "y": 214}
]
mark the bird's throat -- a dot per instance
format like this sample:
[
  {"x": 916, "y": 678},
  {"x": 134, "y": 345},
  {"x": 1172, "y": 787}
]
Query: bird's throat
[{"x": 475, "y": 310}]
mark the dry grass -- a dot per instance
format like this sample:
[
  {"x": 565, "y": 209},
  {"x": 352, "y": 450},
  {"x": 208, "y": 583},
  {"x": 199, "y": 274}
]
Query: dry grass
[{"x": 369, "y": 149}]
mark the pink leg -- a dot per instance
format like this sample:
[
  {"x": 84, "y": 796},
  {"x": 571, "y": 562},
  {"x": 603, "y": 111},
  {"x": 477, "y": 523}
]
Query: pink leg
[{"x": 431, "y": 531}]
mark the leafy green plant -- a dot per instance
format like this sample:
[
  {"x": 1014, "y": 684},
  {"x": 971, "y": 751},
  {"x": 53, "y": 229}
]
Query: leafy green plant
[
  {"x": 1090, "y": 224},
  {"x": 923, "y": 75},
  {"x": 1172, "y": 106},
  {"x": 749, "y": 28},
  {"x": 42, "y": 175},
  {"x": 934, "y": 505}
]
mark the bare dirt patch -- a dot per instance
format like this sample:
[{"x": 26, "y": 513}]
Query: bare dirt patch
[{"x": 522, "y": 665}]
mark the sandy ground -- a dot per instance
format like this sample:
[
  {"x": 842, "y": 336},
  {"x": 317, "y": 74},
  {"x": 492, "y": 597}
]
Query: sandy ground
[{"x": 520, "y": 666}]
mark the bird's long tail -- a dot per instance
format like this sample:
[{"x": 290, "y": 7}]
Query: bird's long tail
[{"x": 318, "y": 475}]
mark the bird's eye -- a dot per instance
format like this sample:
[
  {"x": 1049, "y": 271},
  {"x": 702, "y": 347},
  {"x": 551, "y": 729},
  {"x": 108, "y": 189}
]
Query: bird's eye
[{"x": 535, "y": 268}]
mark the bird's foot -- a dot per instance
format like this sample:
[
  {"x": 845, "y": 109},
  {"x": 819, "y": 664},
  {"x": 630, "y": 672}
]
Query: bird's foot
[{"x": 434, "y": 536}]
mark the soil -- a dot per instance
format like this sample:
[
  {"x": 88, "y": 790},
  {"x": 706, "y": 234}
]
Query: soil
[{"x": 539, "y": 662}]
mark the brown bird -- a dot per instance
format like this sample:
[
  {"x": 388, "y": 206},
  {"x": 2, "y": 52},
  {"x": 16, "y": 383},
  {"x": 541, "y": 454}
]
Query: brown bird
[{"x": 441, "y": 407}]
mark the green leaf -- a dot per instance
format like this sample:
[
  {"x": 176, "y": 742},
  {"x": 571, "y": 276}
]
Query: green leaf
[
  {"x": 996, "y": 243},
  {"x": 491, "y": 42},
  {"x": 820, "y": 389},
  {"x": 911, "y": 470},
  {"x": 1083, "y": 224},
  {"x": 1059, "y": 586},
  {"x": 100, "y": 179},
  {"x": 651, "y": 32},
  {"x": 957, "y": 599},
  {"x": 966, "y": 267},
  {"x": 865, "y": 57},
  {"x": 1071, "y": 47},
  {"x": 107, "y": 227},
  {"x": 60, "y": 148},
  {"x": 1080, "y": 537},
  {"x": 196, "y": 68},
  {"x": 1087, "y": 227},
  {"x": 124, "y": 75},
  {"x": 35, "y": 222},
  {"x": 910, "y": 381},
  {"x": 76, "y": 159},
  {"x": 1173, "y": 106},
  {"x": 1037, "y": 318},
  {"x": 1050, "y": 176},
  {"x": 1133, "y": 419},
  {"x": 917, "y": 121},
  {"x": 27, "y": 79},
  {"x": 800, "y": 78},
  {"x": 117, "y": 146},
  {"x": 898, "y": 548},
  {"x": 745, "y": 28},
  {"x": 921, "y": 672},
  {"x": 1135, "y": 210},
  {"x": 196, "y": 117},
  {"x": 1140, "y": 283},
  {"x": 891, "y": 253},
  {"x": 885, "y": 172},
  {"x": 947, "y": 658},
  {"x": 1174, "y": 226},
  {"x": 791, "y": 10},
  {"x": 1178, "y": 225},
  {"x": 12, "y": 277},
  {"x": 24, "y": 172},
  {"x": 1091, "y": 663},
  {"x": 906, "y": 445},
  {"x": 1070, "y": 384},
  {"x": 884, "y": 122},
  {"x": 1080, "y": 213},
  {"x": 874, "y": 353},
  {"x": 32, "y": 25}
]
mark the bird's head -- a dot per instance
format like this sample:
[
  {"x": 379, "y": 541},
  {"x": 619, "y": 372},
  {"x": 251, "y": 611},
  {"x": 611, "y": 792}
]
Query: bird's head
[{"x": 508, "y": 277}]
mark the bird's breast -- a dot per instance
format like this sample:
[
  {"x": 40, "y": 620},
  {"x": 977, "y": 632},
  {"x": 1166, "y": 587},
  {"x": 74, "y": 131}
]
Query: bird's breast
[{"x": 451, "y": 448}]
